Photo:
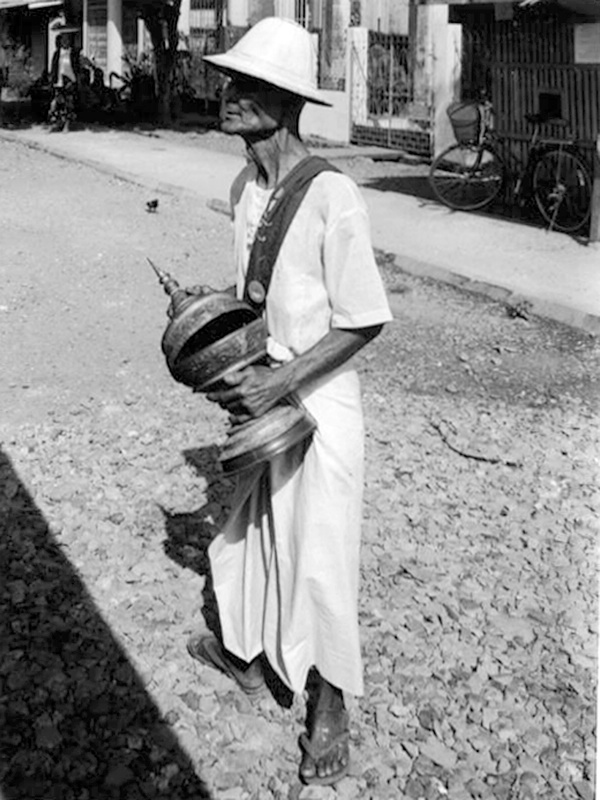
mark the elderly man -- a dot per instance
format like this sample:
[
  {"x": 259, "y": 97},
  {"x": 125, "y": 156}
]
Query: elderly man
[{"x": 286, "y": 566}]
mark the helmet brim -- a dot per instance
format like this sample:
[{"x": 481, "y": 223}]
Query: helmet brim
[{"x": 233, "y": 63}]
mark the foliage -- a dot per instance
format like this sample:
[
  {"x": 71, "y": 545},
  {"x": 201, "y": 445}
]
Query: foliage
[
  {"x": 196, "y": 77},
  {"x": 141, "y": 66},
  {"x": 20, "y": 69},
  {"x": 178, "y": 73},
  {"x": 161, "y": 20}
]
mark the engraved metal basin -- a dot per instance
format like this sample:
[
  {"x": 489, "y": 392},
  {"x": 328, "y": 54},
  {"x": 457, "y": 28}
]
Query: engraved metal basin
[{"x": 210, "y": 336}]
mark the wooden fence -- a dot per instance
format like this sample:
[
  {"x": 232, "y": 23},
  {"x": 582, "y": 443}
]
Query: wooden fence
[
  {"x": 527, "y": 65},
  {"x": 518, "y": 90}
]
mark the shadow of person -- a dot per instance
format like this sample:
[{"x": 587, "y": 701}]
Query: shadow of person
[
  {"x": 414, "y": 185},
  {"x": 76, "y": 719},
  {"x": 189, "y": 536}
]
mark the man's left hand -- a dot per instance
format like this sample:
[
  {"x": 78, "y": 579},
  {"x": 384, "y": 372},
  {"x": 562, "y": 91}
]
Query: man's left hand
[{"x": 250, "y": 392}]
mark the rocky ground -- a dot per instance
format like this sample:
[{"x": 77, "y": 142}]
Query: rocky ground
[{"x": 478, "y": 601}]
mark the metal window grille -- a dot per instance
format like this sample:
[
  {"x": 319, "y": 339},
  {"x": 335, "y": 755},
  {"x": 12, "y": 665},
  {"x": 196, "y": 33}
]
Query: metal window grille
[
  {"x": 203, "y": 14},
  {"x": 302, "y": 12},
  {"x": 390, "y": 86}
]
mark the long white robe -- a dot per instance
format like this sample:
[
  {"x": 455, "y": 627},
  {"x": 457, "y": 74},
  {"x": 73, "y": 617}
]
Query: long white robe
[{"x": 286, "y": 566}]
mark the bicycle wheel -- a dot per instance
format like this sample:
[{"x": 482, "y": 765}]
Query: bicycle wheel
[
  {"x": 562, "y": 189},
  {"x": 467, "y": 176}
]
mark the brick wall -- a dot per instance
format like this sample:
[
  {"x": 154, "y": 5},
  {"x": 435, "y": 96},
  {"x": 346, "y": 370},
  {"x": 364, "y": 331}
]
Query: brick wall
[{"x": 414, "y": 142}]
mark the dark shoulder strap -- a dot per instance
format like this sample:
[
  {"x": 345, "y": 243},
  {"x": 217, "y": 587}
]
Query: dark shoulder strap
[{"x": 273, "y": 226}]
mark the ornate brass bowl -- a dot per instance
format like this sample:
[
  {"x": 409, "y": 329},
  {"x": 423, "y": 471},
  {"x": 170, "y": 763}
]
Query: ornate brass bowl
[
  {"x": 215, "y": 334},
  {"x": 263, "y": 438},
  {"x": 211, "y": 335}
]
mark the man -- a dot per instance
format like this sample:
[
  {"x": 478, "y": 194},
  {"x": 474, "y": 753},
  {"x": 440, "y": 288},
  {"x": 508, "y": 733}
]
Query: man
[
  {"x": 285, "y": 568},
  {"x": 65, "y": 70}
]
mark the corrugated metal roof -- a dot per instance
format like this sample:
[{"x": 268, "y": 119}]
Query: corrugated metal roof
[
  {"x": 12, "y": 3},
  {"x": 33, "y": 4},
  {"x": 587, "y": 7}
]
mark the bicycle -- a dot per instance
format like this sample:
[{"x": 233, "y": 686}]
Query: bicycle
[{"x": 470, "y": 174}]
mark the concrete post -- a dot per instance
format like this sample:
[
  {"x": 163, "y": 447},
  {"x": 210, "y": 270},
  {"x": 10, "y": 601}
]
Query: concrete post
[
  {"x": 436, "y": 77},
  {"x": 141, "y": 37},
  {"x": 114, "y": 41},
  {"x": 85, "y": 29},
  {"x": 421, "y": 62},
  {"x": 446, "y": 44},
  {"x": 237, "y": 13},
  {"x": 285, "y": 9},
  {"x": 358, "y": 52},
  {"x": 595, "y": 220},
  {"x": 183, "y": 23}
]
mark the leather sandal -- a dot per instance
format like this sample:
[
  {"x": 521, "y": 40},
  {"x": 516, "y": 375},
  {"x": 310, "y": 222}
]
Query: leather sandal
[
  {"x": 208, "y": 650},
  {"x": 317, "y": 754}
]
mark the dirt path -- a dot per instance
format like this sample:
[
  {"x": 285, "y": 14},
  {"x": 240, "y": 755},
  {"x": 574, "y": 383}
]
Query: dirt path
[{"x": 478, "y": 586}]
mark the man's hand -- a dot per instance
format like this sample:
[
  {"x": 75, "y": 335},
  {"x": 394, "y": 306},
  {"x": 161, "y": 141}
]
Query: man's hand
[
  {"x": 254, "y": 390},
  {"x": 250, "y": 392}
]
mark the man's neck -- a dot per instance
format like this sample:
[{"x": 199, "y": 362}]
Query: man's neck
[{"x": 275, "y": 156}]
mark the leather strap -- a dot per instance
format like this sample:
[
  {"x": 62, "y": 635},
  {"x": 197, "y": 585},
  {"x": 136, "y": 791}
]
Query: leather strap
[{"x": 273, "y": 226}]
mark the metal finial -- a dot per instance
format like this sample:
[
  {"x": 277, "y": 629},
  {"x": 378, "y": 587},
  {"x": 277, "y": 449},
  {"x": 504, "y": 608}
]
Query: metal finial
[{"x": 169, "y": 284}]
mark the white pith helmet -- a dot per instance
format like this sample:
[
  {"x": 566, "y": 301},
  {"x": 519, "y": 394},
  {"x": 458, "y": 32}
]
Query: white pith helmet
[{"x": 277, "y": 51}]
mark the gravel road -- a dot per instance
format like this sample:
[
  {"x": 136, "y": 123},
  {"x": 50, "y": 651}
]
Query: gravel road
[{"x": 479, "y": 598}]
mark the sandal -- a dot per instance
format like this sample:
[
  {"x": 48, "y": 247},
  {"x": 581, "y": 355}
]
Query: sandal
[
  {"x": 208, "y": 650},
  {"x": 317, "y": 754}
]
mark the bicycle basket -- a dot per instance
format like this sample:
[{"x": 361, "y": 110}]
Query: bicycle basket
[{"x": 465, "y": 119}]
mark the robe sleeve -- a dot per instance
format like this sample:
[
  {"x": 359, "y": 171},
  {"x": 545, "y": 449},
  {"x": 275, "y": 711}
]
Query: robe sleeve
[{"x": 356, "y": 292}]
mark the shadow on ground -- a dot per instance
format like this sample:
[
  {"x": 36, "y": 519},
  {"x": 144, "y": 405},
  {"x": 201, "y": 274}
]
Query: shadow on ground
[
  {"x": 189, "y": 536},
  {"x": 76, "y": 719},
  {"x": 414, "y": 185},
  {"x": 418, "y": 186}
]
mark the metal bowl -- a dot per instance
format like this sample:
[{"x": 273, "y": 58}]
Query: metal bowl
[
  {"x": 203, "y": 366},
  {"x": 262, "y": 439},
  {"x": 210, "y": 335}
]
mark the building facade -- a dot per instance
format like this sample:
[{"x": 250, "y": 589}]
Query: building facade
[
  {"x": 533, "y": 57},
  {"x": 388, "y": 67}
]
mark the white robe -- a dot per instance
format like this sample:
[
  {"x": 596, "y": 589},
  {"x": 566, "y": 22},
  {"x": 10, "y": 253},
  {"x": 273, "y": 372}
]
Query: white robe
[{"x": 286, "y": 566}]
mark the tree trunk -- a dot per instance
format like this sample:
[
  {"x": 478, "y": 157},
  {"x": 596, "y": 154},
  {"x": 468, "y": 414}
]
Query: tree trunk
[{"x": 161, "y": 21}]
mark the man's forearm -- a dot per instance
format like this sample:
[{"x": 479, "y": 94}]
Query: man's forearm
[
  {"x": 333, "y": 350},
  {"x": 254, "y": 390}
]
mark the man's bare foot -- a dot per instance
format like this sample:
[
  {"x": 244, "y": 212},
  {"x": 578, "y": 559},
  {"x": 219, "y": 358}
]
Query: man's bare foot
[{"x": 326, "y": 757}]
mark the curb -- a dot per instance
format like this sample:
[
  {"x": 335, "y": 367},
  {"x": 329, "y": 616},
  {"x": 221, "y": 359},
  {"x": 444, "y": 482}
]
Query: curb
[{"x": 523, "y": 305}]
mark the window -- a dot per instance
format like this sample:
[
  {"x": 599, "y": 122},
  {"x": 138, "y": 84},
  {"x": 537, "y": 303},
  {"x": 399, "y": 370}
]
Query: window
[
  {"x": 203, "y": 14},
  {"x": 302, "y": 12},
  {"x": 550, "y": 105}
]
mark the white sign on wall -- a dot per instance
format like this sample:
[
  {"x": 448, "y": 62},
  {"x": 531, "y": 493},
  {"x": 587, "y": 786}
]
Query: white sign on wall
[{"x": 587, "y": 43}]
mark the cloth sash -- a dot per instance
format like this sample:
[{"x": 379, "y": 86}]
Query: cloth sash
[{"x": 274, "y": 224}]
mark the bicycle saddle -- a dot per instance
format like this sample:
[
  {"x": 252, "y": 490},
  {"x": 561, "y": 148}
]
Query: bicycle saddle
[{"x": 541, "y": 119}]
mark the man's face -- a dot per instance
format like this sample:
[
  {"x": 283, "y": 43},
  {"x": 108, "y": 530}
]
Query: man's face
[{"x": 250, "y": 108}]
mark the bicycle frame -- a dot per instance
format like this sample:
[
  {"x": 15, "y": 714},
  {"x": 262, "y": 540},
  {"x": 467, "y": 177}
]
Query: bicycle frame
[
  {"x": 519, "y": 174},
  {"x": 553, "y": 176}
]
